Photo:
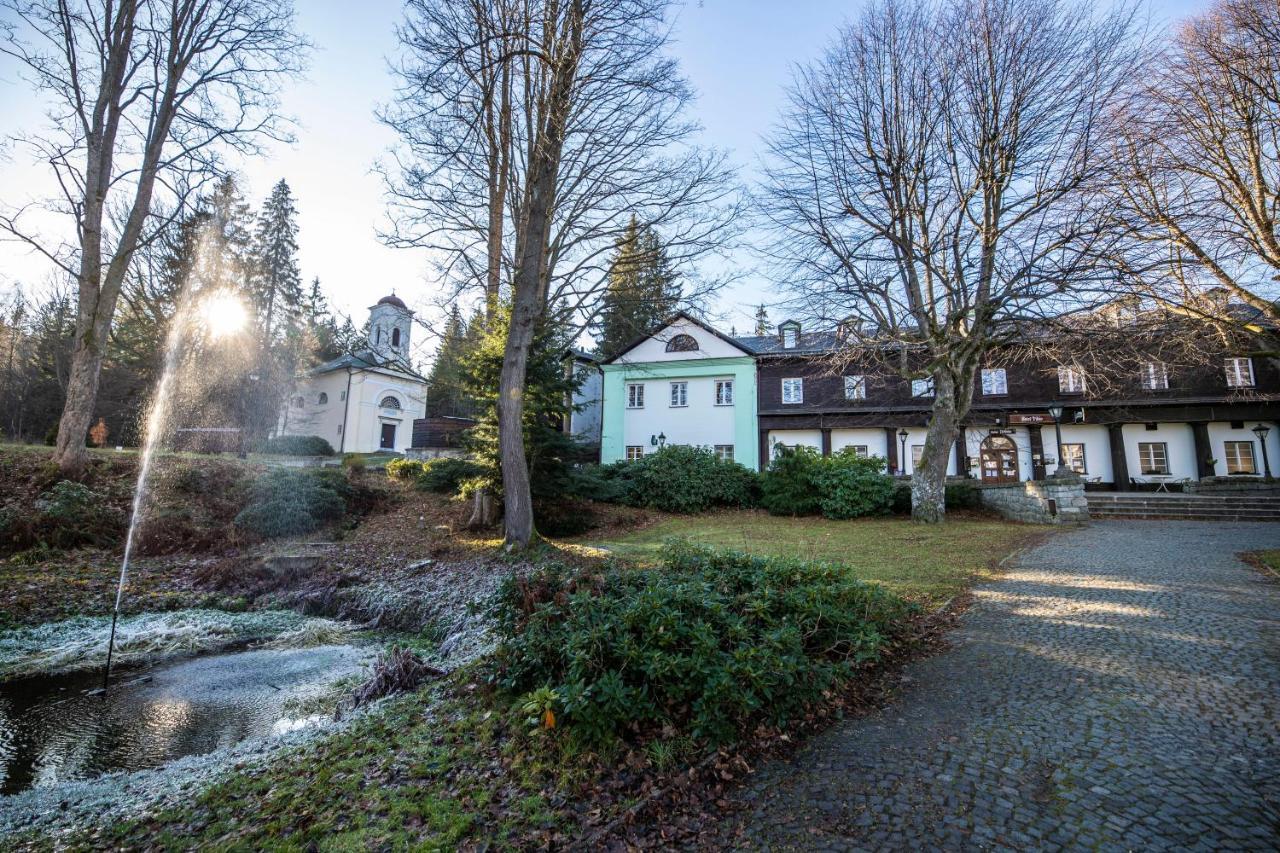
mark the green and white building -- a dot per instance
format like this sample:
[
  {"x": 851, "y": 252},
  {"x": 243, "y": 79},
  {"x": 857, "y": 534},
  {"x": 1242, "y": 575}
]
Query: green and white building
[{"x": 684, "y": 384}]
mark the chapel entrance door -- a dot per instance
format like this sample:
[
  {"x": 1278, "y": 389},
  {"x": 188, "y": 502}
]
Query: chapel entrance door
[
  {"x": 999, "y": 460},
  {"x": 388, "y": 437}
]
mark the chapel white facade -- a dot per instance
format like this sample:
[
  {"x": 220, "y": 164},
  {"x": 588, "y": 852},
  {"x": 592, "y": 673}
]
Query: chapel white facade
[{"x": 366, "y": 401}]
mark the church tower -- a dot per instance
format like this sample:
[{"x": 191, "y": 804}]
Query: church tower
[{"x": 389, "y": 324}]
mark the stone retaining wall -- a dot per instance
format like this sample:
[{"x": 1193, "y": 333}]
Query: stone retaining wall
[
  {"x": 1055, "y": 500},
  {"x": 1245, "y": 486}
]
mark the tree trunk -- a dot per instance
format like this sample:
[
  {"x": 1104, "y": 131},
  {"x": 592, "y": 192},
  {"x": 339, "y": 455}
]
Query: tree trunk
[
  {"x": 517, "y": 501},
  {"x": 482, "y": 514},
  {"x": 529, "y": 292},
  {"x": 70, "y": 453},
  {"x": 951, "y": 399}
]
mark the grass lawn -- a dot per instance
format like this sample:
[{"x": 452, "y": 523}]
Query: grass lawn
[
  {"x": 927, "y": 563},
  {"x": 1267, "y": 561}
]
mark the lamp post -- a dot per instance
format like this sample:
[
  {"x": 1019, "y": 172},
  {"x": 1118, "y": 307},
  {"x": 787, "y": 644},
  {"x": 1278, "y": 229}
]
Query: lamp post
[
  {"x": 1261, "y": 432},
  {"x": 1055, "y": 411},
  {"x": 902, "y": 456}
]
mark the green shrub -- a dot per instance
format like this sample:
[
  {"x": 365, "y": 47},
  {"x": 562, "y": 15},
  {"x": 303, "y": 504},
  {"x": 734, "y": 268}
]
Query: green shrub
[
  {"x": 446, "y": 474},
  {"x": 901, "y": 498},
  {"x": 800, "y": 481},
  {"x": 788, "y": 487},
  {"x": 297, "y": 445},
  {"x": 959, "y": 495},
  {"x": 962, "y": 495},
  {"x": 604, "y": 483},
  {"x": 405, "y": 469},
  {"x": 65, "y": 515},
  {"x": 850, "y": 486},
  {"x": 287, "y": 502},
  {"x": 713, "y": 642},
  {"x": 684, "y": 479}
]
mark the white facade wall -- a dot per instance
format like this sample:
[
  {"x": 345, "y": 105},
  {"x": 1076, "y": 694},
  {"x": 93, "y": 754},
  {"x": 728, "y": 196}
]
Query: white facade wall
[
  {"x": 1221, "y": 432},
  {"x": 365, "y": 417},
  {"x": 654, "y": 348},
  {"x": 1097, "y": 448},
  {"x": 792, "y": 437},
  {"x": 1181, "y": 448},
  {"x": 314, "y": 417},
  {"x": 916, "y": 435},
  {"x": 355, "y": 425},
  {"x": 872, "y": 439},
  {"x": 701, "y": 423}
]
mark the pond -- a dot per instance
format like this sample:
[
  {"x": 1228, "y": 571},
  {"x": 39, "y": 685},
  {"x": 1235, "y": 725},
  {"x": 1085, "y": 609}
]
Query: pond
[{"x": 53, "y": 729}]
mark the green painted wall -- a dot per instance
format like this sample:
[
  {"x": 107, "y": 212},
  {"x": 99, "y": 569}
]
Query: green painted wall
[{"x": 746, "y": 439}]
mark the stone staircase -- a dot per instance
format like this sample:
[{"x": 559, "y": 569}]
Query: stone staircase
[{"x": 1225, "y": 508}]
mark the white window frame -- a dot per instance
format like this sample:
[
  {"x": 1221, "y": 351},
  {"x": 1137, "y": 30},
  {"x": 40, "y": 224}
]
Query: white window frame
[
  {"x": 634, "y": 452},
  {"x": 1233, "y": 448},
  {"x": 1155, "y": 376},
  {"x": 724, "y": 452},
  {"x": 1070, "y": 380},
  {"x": 724, "y": 392},
  {"x": 1237, "y": 378},
  {"x": 995, "y": 382},
  {"x": 679, "y": 394},
  {"x": 635, "y": 395},
  {"x": 855, "y": 387},
  {"x": 790, "y": 336},
  {"x": 917, "y": 453},
  {"x": 921, "y": 387},
  {"x": 797, "y": 397},
  {"x": 862, "y": 451},
  {"x": 1151, "y": 469},
  {"x": 1068, "y": 458}
]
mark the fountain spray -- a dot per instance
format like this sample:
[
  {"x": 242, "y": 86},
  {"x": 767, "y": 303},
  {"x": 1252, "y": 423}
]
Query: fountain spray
[
  {"x": 223, "y": 314},
  {"x": 156, "y": 418}
]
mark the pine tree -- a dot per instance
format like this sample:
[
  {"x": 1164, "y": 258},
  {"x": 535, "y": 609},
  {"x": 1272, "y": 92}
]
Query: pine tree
[
  {"x": 643, "y": 289},
  {"x": 762, "y": 322}
]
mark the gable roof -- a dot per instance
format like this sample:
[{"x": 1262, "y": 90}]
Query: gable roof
[
  {"x": 366, "y": 360},
  {"x": 807, "y": 343},
  {"x": 679, "y": 315}
]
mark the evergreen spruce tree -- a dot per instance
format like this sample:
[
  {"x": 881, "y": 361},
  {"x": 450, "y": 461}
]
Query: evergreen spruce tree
[
  {"x": 643, "y": 289},
  {"x": 762, "y": 322},
  {"x": 447, "y": 394},
  {"x": 276, "y": 279},
  {"x": 551, "y": 451}
]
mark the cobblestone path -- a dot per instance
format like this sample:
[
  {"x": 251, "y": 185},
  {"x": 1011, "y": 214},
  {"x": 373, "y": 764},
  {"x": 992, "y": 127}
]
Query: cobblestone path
[{"x": 1118, "y": 688}]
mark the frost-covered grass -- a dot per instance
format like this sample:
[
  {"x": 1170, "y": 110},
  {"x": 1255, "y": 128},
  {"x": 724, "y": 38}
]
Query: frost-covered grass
[{"x": 81, "y": 642}]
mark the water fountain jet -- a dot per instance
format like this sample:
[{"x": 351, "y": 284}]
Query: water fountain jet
[{"x": 223, "y": 314}]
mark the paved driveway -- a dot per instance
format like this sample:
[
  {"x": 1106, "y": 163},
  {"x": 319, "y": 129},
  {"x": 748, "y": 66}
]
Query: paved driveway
[{"x": 1118, "y": 689}]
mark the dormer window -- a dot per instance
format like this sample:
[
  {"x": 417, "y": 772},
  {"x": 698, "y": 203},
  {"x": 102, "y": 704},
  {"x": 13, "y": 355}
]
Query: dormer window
[
  {"x": 790, "y": 332},
  {"x": 682, "y": 343}
]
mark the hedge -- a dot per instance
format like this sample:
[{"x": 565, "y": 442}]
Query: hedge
[{"x": 714, "y": 642}]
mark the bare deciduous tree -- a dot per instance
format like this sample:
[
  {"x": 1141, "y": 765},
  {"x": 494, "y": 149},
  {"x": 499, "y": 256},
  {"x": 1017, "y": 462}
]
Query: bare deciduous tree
[
  {"x": 1194, "y": 194},
  {"x": 533, "y": 131},
  {"x": 143, "y": 96},
  {"x": 926, "y": 181}
]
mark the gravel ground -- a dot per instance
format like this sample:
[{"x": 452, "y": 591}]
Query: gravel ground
[{"x": 1118, "y": 689}]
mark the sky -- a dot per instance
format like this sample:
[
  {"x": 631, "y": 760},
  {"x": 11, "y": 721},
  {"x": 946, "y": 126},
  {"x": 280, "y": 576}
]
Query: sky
[{"x": 738, "y": 54}]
